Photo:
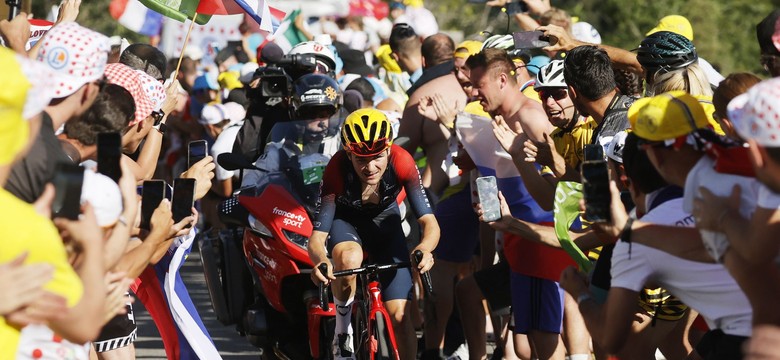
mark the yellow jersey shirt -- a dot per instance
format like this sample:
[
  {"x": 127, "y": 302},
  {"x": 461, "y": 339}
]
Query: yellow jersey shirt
[
  {"x": 24, "y": 230},
  {"x": 571, "y": 144}
]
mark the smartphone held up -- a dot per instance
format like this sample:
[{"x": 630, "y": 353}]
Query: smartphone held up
[
  {"x": 487, "y": 190},
  {"x": 595, "y": 185}
]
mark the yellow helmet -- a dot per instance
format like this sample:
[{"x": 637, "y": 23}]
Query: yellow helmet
[{"x": 366, "y": 132}]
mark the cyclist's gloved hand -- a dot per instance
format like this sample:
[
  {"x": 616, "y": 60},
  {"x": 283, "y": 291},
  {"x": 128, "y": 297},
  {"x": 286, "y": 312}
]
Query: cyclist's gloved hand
[
  {"x": 318, "y": 277},
  {"x": 426, "y": 263}
]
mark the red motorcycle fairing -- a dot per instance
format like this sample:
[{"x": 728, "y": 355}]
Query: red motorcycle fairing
[
  {"x": 274, "y": 258},
  {"x": 278, "y": 211}
]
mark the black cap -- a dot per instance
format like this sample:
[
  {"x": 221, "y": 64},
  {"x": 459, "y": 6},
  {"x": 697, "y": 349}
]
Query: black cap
[
  {"x": 764, "y": 31},
  {"x": 355, "y": 63}
]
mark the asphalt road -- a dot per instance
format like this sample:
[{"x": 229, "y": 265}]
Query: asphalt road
[{"x": 229, "y": 343}]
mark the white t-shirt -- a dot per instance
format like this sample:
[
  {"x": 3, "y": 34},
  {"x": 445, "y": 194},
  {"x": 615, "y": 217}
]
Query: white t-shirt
[
  {"x": 707, "y": 288},
  {"x": 703, "y": 174},
  {"x": 224, "y": 144}
]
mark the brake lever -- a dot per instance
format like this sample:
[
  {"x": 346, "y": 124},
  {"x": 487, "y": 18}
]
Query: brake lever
[
  {"x": 324, "y": 304},
  {"x": 426, "y": 277}
]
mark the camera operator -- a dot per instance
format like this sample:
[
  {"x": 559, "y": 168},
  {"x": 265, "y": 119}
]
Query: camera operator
[{"x": 271, "y": 89}]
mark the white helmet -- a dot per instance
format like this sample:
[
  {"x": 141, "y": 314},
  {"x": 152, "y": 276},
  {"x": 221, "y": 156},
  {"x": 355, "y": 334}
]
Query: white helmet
[
  {"x": 504, "y": 42},
  {"x": 320, "y": 51},
  {"x": 585, "y": 32},
  {"x": 550, "y": 76}
]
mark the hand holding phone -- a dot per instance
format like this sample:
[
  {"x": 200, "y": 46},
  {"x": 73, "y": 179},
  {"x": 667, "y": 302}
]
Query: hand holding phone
[
  {"x": 196, "y": 151},
  {"x": 595, "y": 185},
  {"x": 532, "y": 40},
  {"x": 488, "y": 198},
  {"x": 68, "y": 180},
  {"x": 183, "y": 199},
  {"x": 152, "y": 195},
  {"x": 109, "y": 153}
]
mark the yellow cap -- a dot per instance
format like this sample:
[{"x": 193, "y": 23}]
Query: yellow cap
[
  {"x": 14, "y": 129},
  {"x": 386, "y": 60},
  {"x": 667, "y": 116},
  {"x": 414, "y": 3},
  {"x": 467, "y": 48},
  {"x": 229, "y": 80},
  {"x": 676, "y": 24}
]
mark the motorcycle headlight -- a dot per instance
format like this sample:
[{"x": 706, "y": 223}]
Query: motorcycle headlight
[
  {"x": 296, "y": 238},
  {"x": 258, "y": 227}
]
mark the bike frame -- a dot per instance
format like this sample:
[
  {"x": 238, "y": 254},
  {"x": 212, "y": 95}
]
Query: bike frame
[{"x": 373, "y": 305}]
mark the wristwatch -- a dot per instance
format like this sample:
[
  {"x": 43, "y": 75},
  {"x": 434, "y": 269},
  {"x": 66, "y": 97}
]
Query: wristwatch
[{"x": 160, "y": 126}]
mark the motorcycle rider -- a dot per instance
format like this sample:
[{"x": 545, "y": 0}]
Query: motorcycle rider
[
  {"x": 310, "y": 139},
  {"x": 358, "y": 211}
]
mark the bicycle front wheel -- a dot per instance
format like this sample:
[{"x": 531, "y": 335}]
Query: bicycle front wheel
[{"x": 385, "y": 343}]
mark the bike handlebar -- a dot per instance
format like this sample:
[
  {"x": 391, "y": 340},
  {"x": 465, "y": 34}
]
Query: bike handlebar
[{"x": 373, "y": 269}]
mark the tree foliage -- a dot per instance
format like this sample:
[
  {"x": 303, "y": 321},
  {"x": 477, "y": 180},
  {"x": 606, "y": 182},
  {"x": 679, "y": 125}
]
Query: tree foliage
[{"x": 724, "y": 30}]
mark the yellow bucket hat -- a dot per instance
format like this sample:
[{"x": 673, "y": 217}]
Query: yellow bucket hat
[
  {"x": 667, "y": 116},
  {"x": 14, "y": 130}
]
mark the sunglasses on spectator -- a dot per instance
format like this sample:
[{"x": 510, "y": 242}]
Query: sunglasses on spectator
[{"x": 556, "y": 94}]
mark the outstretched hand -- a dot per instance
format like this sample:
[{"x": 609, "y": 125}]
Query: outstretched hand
[
  {"x": 502, "y": 224},
  {"x": 69, "y": 11},
  {"x": 16, "y": 32},
  {"x": 560, "y": 39},
  {"x": 435, "y": 107},
  {"x": 540, "y": 152},
  {"x": 510, "y": 141}
]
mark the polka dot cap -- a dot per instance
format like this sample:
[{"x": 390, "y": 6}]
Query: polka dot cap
[
  {"x": 154, "y": 89},
  {"x": 42, "y": 80},
  {"x": 756, "y": 114},
  {"x": 77, "y": 53},
  {"x": 130, "y": 79}
]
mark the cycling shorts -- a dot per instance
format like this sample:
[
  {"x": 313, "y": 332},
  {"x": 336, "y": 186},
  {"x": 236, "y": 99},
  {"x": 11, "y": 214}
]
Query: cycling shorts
[{"x": 382, "y": 239}]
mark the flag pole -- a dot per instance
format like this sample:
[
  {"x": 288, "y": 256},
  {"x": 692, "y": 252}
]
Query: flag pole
[{"x": 184, "y": 46}]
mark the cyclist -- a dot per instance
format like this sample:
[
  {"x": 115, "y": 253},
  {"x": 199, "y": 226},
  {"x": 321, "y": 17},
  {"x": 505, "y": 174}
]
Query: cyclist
[{"x": 358, "y": 211}]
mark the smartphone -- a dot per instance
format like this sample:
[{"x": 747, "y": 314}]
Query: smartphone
[
  {"x": 68, "y": 179},
  {"x": 196, "y": 151},
  {"x": 183, "y": 198},
  {"x": 109, "y": 153},
  {"x": 593, "y": 152},
  {"x": 487, "y": 190},
  {"x": 530, "y": 39},
  {"x": 516, "y": 7},
  {"x": 477, "y": 1},
  {"x": 595, "y": 185},
  {"x": 152, "y": 195}
]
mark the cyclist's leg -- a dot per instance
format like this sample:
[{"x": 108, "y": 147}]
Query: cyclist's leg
[
  {"x": 538, "y": 310},
  {"x": 346, "y": 250},
  {"x": 385, "y": 243}
]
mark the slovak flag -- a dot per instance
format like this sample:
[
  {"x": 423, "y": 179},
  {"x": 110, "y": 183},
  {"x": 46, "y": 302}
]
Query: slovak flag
[
  {"x": 267, "y": 17},
  {"x": 136, "y": 17}
]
